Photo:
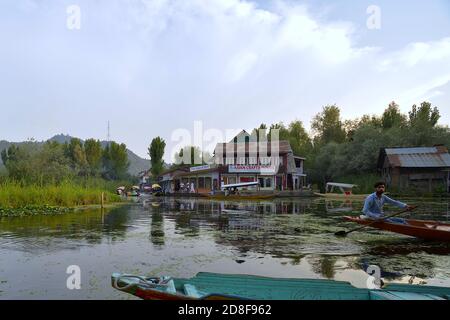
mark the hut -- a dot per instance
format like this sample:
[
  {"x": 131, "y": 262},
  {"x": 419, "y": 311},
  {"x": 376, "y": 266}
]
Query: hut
[{"x": 423, "y": 169}]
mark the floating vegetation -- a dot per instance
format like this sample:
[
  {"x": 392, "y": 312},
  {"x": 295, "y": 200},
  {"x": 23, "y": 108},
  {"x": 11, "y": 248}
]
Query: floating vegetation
[{"x": 32, "y": 210}]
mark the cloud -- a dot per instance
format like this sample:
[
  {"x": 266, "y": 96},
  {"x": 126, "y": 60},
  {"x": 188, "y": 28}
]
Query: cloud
[{"x": 152, "y": 66}]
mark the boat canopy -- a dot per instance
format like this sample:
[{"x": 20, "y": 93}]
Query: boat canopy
[
  {"x": 345, "y": 188},
  {"x": 240, "y": 185},
  {"x": 342, "y": 185}
]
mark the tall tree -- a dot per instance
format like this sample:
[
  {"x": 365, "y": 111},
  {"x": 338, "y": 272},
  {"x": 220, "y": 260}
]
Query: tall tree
[
  {"x": 119, "y": 160},
  {"x": 156, "y": 153},
  {"x": 190, "y": 155},
  {"x": 392, "y": 117},
  {"x": 115, "y": 161},
  {"x": 93, "y": 150},
  {"x": 278, "y": 130},
  {"x": 260, "y": 134},
  {"x": 299, "y": 139},
  {"x": 327, "y": 126},
  {"x": 424, "y": 116},
  {"x": 74, "y": 150}
]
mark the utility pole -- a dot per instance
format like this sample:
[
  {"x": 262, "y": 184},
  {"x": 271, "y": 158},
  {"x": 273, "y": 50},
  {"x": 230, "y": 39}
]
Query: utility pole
[{"x": 108, "y": 137}]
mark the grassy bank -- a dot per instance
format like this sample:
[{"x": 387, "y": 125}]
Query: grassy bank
[{"x": 51, "y": 198}]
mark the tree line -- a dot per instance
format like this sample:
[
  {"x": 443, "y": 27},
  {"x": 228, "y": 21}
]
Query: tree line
[
  {"x": 54, "y": 162},
  {"x": 338, "y": 148}
]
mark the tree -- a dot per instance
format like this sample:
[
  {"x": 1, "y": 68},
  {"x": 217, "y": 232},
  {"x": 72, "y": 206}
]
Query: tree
[
  {"x": 115, "y": 161},
  {"x": 278, "y": 130},
  {"x": 424, "y": 116},
  {"x": 327, "y": 126},
  {"x": 299, "y": 139},
  {"x": 74, "y": 150},
  {"x": 47, "y": 164},
  {"x": 392, "y": 117},
  {"x": 93, "y": 150},
  {"x": 260, "y": 133},
  {"x": 156, "y": 153},
  {"x": 51, "y": 165},
  {"x": 190, "y": 155},
  {"x": 119, "y": 160}
]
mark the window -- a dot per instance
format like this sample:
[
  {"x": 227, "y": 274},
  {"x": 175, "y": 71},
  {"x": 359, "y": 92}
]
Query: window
[
  {"x": 261, "y": 182},
  {"x": 231, "y": 180},
  {"x": 268, "y": 182}
]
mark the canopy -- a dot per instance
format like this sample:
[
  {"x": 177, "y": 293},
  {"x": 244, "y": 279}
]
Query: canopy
[
  {"x": 342, "y": 185},
  {"x": 156, "y": 186},
  {"x": 239, "y": 185}
]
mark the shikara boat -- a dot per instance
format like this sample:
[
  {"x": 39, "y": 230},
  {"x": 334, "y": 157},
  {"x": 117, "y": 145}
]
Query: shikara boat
[
  {"x": 423, "y": 229},
  {"x": 342, "y": 196},
  {"x": 213, "y": 286},
  {"x": 346, "y": 192},
  {"x": 240, "y": 191},
  {"x": 241, "y": 196}
]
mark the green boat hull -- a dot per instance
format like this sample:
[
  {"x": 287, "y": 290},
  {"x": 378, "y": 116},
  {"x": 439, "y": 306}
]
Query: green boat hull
[{"x": 223, "y": 286}]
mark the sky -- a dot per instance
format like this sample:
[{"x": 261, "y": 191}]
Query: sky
[{"x": 164, "y": 67}]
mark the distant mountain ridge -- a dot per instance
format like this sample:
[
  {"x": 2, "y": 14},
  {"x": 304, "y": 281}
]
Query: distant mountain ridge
[{"x": 137, "y": 164}]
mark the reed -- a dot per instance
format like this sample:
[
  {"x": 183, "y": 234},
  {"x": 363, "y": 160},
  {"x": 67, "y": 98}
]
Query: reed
[{"x": 67, "y": 194}]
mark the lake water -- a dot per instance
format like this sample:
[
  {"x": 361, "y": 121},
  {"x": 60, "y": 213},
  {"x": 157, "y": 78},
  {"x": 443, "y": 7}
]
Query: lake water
[{"x": 180, "y": 237}]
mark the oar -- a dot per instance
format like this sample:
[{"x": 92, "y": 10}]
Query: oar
[{"x": 343, "y": 233}]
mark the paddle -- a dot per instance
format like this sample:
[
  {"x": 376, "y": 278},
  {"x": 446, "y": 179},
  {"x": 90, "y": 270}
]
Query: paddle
[{"x": 343, "y": 233}]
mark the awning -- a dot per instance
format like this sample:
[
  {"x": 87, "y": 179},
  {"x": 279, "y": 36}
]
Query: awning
[{"x": 342, "y": 185}]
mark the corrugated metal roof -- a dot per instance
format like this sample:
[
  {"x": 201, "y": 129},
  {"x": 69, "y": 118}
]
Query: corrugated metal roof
[
  {"x": 411, "y": 150},
  {"x": 418, "y": 157}
]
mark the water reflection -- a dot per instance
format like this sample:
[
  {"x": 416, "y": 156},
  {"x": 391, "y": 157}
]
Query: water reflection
[{"x": 180, "y": 237}]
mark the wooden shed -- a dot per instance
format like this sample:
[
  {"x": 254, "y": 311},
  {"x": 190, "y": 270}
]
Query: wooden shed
[{"x": 424, "y": 169}]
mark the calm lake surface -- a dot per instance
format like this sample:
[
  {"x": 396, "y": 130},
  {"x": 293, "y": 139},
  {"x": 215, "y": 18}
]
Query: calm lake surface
[{"x": 180, "y": 237}]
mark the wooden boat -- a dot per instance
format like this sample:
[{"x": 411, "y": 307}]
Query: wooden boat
[
  {"x": 423, "y": 229},
  {"x": 213, "y": 286},
  {"x": 342, "y": 196},
  {"x": 346, "y": 192}
]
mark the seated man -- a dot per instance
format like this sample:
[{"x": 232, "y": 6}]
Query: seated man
[{"x": 373, "y": 206}]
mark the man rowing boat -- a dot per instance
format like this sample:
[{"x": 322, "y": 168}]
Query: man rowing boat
[{"x": 373, "y": 206}]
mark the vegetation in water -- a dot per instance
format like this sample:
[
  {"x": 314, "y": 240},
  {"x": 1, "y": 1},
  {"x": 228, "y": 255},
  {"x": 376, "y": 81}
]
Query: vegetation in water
[{"x": 19, "y": 199}]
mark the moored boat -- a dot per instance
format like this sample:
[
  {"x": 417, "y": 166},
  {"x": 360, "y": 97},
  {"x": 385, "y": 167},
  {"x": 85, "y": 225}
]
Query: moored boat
[
  {"x": 241, "y": 196},
  {"x": 342, "y": 196},
  {"x": 346, "y": 192},
  {"x": 213, "y": 286},
  {"x": 423, "y": 229}
]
